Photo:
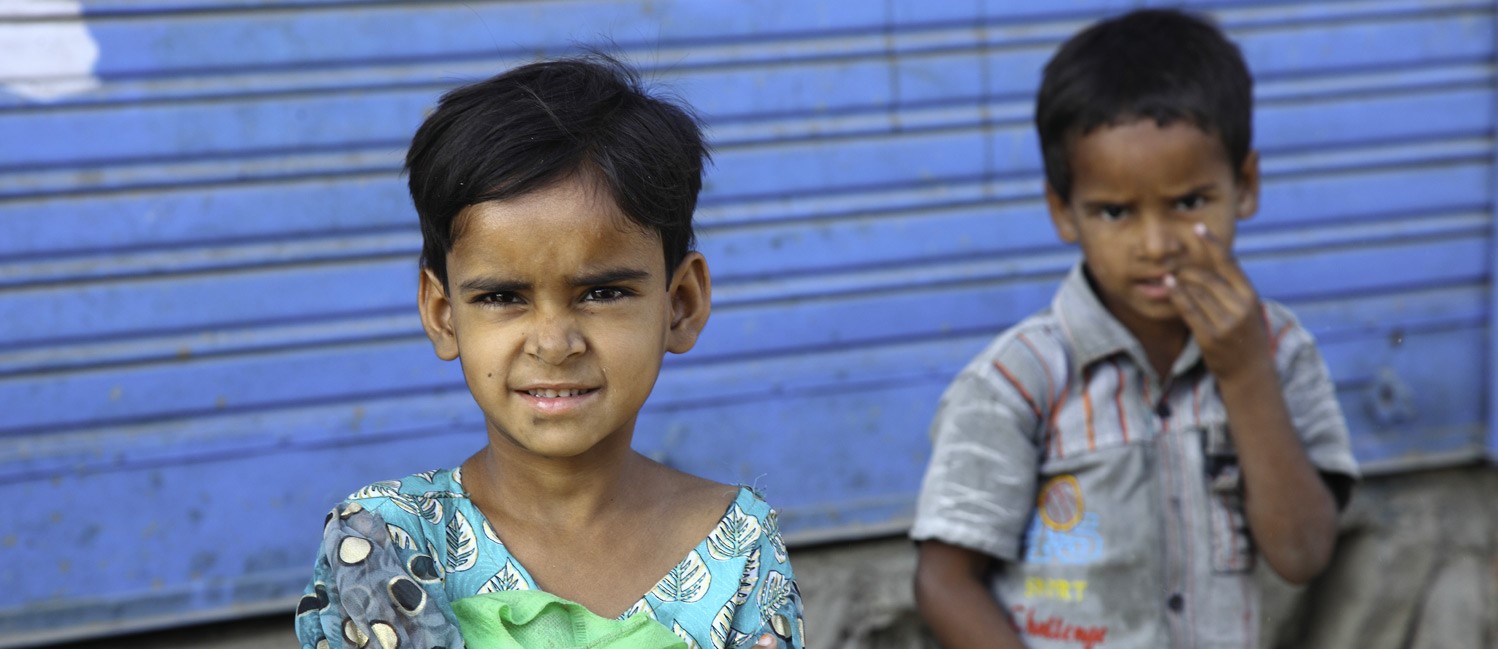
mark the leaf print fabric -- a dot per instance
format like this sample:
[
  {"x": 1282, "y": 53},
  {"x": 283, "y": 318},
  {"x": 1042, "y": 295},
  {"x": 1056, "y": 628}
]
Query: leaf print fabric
[
  {"x": 433, "y": 547},
  {"x": 508, "y": 578},
  {"x": 462, "y": 548},
  {"x": 687, "y": 582},
  {"x": 750, "y": 578}
]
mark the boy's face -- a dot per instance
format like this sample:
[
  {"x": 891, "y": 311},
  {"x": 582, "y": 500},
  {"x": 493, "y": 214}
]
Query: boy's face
[
  {"x": 1138, "y": 190},
  {"x": 560, "y": 309}
]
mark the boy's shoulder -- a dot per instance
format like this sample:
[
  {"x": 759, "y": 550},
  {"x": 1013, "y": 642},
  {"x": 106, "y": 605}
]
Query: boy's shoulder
[
  {"x": 1287, "y": 337},
  {"x": 1032, "y": 356}
]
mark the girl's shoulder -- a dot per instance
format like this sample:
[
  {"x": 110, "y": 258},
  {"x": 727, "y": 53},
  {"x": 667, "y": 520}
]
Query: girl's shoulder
[
  {"x": 436, "y": 483},
  {"x": 413, "y": 502}
]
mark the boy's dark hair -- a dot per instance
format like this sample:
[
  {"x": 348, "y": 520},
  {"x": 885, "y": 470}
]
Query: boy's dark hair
[
  {"x": 1155, "y": 64},
  {"x": 540, "y": 123}
]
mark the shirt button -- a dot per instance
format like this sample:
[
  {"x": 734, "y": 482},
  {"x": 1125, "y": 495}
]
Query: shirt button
[
  {"x": 1162, "y": 410},
  {"x": 1176, "y": 602}
]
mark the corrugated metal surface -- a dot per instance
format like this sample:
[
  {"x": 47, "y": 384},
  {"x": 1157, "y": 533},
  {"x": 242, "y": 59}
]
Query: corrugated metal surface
[{"x": 207, "y": 261}]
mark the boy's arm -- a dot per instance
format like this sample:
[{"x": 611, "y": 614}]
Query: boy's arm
[
  {"x": 951, "y": 593},
  {"x": 1290, "y": 510}
]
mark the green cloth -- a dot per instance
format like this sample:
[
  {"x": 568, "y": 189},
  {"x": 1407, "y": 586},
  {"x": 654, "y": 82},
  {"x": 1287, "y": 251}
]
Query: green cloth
[{"x": 537, "y": 620}]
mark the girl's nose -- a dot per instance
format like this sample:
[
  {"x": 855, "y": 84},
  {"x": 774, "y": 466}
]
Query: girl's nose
[{"x": 554, "y": 339}]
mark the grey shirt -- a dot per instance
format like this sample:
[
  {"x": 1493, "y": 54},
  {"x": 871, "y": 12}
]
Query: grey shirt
[{"x": 1111, "y": 497}]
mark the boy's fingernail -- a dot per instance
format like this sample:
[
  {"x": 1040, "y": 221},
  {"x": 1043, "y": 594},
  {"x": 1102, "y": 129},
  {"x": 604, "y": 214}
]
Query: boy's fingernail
[
  {"x": 765, "y": 641},
  {"x": 1170, "y": 281},
  {"x": 1201, "y": 229}
]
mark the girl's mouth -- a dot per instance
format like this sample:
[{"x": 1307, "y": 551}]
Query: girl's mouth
[{"x": 556, "y": 394}]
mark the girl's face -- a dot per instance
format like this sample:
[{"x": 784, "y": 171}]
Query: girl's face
[{"x": 560, "y": 310}]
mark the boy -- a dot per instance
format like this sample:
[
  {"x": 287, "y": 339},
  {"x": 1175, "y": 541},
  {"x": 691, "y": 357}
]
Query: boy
[
  {"x": 1106, "y": 471},
  {"x": 557, "y": 266}
]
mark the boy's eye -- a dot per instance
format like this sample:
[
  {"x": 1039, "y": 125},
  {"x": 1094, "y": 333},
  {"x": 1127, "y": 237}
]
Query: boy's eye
[
  {"x": 1112, "y": 212},
  {"x": 1191, "y": 202},
  {"x": 605, "y": 294}
]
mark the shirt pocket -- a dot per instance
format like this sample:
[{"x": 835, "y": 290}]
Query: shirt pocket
[{"x": 1232, "y": 547}]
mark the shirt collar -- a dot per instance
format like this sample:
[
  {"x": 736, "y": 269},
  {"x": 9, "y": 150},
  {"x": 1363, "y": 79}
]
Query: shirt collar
[{"x": 1096, "y": 335}]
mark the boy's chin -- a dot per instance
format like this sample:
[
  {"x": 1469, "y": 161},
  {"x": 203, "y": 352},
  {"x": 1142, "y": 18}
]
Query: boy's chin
[{"x": 1149, "y": 315}]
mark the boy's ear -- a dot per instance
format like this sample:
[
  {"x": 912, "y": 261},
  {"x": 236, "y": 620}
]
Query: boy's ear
[
  {"x": 1061, "y": 216},
  {"x": 436, "y": 315},
  {"x": 691, "y": 295},
  {"x": 1248, "y": 186}
]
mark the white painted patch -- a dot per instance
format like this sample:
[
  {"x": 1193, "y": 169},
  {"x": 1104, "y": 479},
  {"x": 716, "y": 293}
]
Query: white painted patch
[{"x": 49, "y": 53}]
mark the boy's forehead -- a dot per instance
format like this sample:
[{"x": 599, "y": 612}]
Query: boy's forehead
[{"x": 1142, "y": 148}]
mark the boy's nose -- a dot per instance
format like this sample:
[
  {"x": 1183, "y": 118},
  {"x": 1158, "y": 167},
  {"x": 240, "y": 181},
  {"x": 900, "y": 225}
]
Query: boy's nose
[
  {"x": 1159, "y": 239},
  {"x": 555, "y": 339}
]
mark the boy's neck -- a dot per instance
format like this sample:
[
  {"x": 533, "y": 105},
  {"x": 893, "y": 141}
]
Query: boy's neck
[
  {"x": 1163, "y": 343},
  {"x": 1162, "y": 340}
]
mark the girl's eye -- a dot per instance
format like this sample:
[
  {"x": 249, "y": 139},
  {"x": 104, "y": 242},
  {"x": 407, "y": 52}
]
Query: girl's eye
[
  {"x": 1191, "y": 202},
  {"x": 605, "y": 294},
  {"x": 498, "y": 299}
]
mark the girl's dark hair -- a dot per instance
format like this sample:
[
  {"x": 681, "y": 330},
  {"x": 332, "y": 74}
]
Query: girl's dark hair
[
  {"x": 540, "y": 123},
  {"x": 1155, "y": 64}
]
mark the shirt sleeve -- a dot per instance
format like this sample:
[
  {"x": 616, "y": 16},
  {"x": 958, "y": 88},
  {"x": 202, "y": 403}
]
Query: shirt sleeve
[
  {"x": 367, "y": 592},
  {"x": 773, "y": 603},
  {"x": 1311, "y": 397},
  {"x": 979, "y": 488}
]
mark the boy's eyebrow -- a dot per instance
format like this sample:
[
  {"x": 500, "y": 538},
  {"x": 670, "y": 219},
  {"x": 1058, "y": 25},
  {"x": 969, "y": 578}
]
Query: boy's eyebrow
[
  {"x": 610, "y": 276},
  {"x": 1199, "y": 189}
]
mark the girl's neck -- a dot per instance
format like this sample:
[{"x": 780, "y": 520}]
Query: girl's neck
[{"x": 514, "y": 484}]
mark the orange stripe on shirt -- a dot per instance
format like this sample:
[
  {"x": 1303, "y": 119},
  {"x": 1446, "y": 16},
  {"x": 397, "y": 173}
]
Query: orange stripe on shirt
[
  {"x": 1022, "y": 391},
  {"x": 1123, "y": 419},
  {"x": 1087, "y": 408},
  {"x": 1050, "y": 382},
  {"x": 1274, "y": 343},
  {"x": 1051, "y": 425}
]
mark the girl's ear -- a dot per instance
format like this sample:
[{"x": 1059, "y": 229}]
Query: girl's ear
[
  {"x": 691, "y": 296},
  {"x": 436, "y": 315},
  {"x": 1061, "y": 216},
  {"x": 1248, "y": 186}
]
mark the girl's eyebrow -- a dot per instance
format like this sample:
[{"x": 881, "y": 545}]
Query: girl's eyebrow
[
  {"x": 595, "y": 278},
  {"x": 494, "y": 285},
  {"x": 610, "y": 276}
]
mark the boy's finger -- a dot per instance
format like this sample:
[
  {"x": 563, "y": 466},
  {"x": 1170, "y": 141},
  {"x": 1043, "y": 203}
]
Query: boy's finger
[
  {"x": 1213, "y": 294},
  {"x": 1216, "y": 255},
  {"x": 1190, "y": 309}
]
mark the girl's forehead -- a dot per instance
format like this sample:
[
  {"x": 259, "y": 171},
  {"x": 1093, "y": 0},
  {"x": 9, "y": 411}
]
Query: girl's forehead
[{"x": 562, "y": 229}]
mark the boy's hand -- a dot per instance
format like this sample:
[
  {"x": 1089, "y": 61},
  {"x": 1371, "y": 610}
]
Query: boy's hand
[{"x": 1220, "y": 306}]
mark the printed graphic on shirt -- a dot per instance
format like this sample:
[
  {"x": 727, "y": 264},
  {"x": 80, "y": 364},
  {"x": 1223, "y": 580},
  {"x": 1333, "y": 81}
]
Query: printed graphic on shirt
[
  {"x": 1063, "y": 531},
  {"x": 1060, "y": 590},
  {"x": 1058, "y": 629},
  {"x": 1060, "y": 503}
]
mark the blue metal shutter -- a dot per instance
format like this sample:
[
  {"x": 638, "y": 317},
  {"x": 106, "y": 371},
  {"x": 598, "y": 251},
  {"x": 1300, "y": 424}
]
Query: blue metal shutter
[{"x": 207, "y": 262}]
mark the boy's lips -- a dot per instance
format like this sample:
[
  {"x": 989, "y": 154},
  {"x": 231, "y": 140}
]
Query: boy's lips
[{"x": 1153, "y": 288}]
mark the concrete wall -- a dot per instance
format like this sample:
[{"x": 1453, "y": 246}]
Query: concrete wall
[{"x": 1416, "y": 568}]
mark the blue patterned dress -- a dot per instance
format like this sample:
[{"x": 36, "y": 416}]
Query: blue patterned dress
[{"x": 395, "y": 555}]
